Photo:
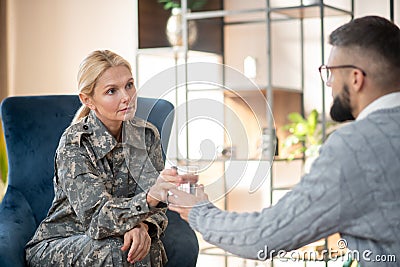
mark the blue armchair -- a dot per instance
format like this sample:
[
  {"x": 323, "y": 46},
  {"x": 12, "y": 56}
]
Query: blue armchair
[{"x": 32, "y": 127}]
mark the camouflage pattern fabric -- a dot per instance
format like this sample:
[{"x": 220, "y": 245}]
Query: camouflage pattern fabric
[{"x": 100, "y": 193}]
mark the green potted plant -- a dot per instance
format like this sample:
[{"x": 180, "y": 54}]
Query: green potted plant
[
  {"x": 192, "y": 4},
  {"x": 3, "y": 164},
  {"x": 304, "y": 137},
  {"x": 302, "y": 131}
]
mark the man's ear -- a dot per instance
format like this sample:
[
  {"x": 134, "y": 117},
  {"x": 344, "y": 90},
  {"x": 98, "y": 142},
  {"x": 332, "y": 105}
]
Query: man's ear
[
  {"x": 357, "y": 79},
  {"x": 86, "y": 100}
]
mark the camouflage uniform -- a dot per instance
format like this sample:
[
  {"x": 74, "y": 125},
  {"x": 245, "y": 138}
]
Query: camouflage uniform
[{"x": 100, "y": 194}]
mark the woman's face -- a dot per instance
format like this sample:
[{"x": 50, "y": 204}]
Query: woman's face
[{"x": 114, "y": 98}]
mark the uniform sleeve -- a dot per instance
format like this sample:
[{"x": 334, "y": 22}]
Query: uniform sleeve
[
  {"x": 157, "y": 222},
  {"x": 309, "y": 212},
  {"x": 101, "y": 214}
]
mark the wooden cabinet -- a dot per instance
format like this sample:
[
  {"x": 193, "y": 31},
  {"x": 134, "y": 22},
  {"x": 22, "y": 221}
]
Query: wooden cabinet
[{"x": 152, "y": 21}]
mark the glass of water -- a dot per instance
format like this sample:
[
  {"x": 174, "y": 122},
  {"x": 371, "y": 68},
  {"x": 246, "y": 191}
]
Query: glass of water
[{"x": 189, "y": 187}]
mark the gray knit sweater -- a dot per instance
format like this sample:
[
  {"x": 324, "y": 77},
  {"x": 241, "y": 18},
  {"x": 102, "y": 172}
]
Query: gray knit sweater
[{"x": 353, "y": 188}]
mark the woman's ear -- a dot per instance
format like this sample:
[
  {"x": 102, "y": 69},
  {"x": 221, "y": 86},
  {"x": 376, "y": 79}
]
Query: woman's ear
[{"x": 86, "y": 100}]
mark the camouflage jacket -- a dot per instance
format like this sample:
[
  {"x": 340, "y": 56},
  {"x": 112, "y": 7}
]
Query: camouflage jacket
[{"x": 100, "y": 185}]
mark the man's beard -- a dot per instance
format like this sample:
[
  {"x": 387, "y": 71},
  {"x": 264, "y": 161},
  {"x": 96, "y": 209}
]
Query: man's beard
[{"x": 341, "y": 110}]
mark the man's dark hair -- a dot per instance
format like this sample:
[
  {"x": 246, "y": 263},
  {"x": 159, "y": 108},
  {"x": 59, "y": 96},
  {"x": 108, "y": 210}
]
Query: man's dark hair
[{"x": 375, "y": 36}]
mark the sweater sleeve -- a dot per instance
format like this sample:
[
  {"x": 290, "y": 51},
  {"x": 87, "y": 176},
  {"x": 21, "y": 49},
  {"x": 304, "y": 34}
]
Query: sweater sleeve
[{"x": 307, "y": 213}]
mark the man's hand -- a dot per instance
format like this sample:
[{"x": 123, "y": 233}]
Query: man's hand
[
  {"x": 138, "y": 242},
  {"x": 183, "y": 202}
]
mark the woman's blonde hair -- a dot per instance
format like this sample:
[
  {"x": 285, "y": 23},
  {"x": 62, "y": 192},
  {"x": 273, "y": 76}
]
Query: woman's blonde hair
[{"x": 91, "y": 68}]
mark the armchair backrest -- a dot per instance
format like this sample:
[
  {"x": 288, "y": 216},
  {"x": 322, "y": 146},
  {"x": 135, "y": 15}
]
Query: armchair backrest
[{"x": 33, "y": 126}]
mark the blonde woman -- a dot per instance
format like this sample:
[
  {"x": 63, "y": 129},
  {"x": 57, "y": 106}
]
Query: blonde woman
[{"x": 107, "y": 209}]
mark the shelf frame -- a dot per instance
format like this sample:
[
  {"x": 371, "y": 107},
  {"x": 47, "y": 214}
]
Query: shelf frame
[{"x": 319, "y": 10}]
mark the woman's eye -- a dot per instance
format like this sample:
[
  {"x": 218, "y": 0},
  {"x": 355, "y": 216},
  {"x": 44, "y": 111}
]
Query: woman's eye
[
  {"x": 110, "y": 91},
  {"x": 129, "y": 85}
]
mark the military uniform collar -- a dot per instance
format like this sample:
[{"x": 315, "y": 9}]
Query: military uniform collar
[{"x": 133, "y": 133}]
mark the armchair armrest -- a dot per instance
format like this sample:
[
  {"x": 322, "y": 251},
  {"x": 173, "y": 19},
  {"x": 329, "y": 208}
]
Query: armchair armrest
[{"x": 17, "y": 225}]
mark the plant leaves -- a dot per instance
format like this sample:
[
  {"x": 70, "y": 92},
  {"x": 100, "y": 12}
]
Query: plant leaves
[
  {"x": 312, "y": 121},
  {"x": 301, "y": 129},
  {"x": 192, "y": 4},
  {"x": 290, "y": 141},
  {"x": 196, "y": 4},
  {"x": 169, "y": 5},
  {"x": 295, "y": 117}
]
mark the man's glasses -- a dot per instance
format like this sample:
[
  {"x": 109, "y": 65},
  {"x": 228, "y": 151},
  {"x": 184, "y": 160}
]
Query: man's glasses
[{"x": 325, "y": 71}]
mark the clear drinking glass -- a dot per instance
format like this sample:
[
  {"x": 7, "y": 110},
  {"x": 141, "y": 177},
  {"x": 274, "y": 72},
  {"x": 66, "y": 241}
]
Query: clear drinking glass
[{"x": 189, "y": 187}]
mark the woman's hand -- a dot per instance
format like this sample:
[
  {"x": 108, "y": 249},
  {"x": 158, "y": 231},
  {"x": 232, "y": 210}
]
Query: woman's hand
[
  {"x": 182, "y": 202},
  {"x": 139, "y": 241},
  {"x": 167, "y": 180}
]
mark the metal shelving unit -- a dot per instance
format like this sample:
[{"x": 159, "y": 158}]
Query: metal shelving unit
[
  {"x": 211, "y": 250},
  {"x": 302, "y": 12}
]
